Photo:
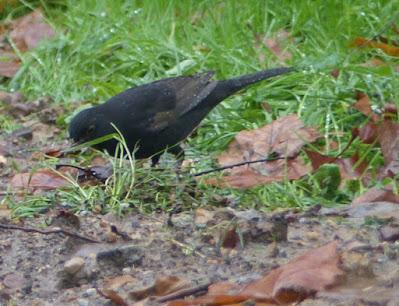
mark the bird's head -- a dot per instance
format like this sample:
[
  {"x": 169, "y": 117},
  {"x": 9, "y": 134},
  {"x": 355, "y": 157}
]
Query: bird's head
[{"x": 88, "y": 125}]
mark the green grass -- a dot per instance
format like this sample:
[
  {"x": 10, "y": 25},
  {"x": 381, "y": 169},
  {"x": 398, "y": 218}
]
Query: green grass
[{"x": 102, "y": 49}]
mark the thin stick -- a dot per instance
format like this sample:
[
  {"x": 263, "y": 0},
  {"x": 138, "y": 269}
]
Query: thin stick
[
  {"x": 53, "y": 231},
  {"x": 183, "y": 293},
  {"x": 240, "y": 164},
  {"x": 57, "y": 166},
  {"x": 185, "y": 246}
]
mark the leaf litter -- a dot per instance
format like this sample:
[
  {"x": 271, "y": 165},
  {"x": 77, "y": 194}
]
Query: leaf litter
[
  {"x": 270, "y": 260},
  {"x": 152, "y": 268},
  {"x": 26, "y": 32}
]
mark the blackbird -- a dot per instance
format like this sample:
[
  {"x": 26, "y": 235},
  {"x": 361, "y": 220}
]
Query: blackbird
[{"x": 157, "y": 116}]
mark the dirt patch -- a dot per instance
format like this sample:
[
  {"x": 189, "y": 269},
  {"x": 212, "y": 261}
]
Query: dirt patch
[{"x": 135, "y": 251}]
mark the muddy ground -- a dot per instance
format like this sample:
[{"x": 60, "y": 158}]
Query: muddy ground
[{"x": 133, "y": 252}]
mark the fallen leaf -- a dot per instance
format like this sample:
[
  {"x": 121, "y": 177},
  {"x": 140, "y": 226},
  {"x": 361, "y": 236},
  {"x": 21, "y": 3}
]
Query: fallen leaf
[
  {"x": 231, "y": 238},
  {"x": 386, "y": 48},
  {"x": 381, "y": 210},
  {"x": 115, "y": 283},
  {"x": 163, "y": 285},
  {"x": 53, "y": 152},
  {"x": 388, "y": 133},
  {"x": 11, "y": 97},
  {"x": 276, "y": 45},
  {"x": 29, "y": 30},
  {"x": 42, "y": 179},
  {"x": 314, "y": 271},
  {"x": 374, "y": 62},
  {"x": 376, "y": 194},
  {"x": 318, "y": 159},
  {"x": 350, "y": 168},
  {"x": 368, "y": 134},
  {"x": 284, "y": 137},
  {"x": 279, "y": 170},
  {"x": 202, "y": 217},
  {"x": 335, "y": 73},
  {"x": 9, "y": 64},
  {"x": 363, "y": 105},
  {"x": 113, "y": 296},
  {"x": 168, "y": 284}
]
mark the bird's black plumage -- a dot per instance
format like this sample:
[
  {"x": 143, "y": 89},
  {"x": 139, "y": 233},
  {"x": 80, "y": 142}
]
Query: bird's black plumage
[{"x": 160, "y": 114}]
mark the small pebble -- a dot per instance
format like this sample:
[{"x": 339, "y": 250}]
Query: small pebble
[
  {"x": 89, "y": 292},
  {"x": 74, "y": 265},
  {"x": 313, "y": 235},
  {"x": 83, "y": 302}
]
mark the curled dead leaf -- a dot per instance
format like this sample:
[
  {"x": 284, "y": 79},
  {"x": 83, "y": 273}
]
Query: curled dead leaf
[
  {"x": 363, "y": 105},
  {"x": 369, "y": 43},
  {"x": 314, "y": 271},
  {"x": 42, "y": 179},
  {"x": 29, "y": 30},
  {"x": 376, "y": 194},
  {"x": 284, "y": 137}
]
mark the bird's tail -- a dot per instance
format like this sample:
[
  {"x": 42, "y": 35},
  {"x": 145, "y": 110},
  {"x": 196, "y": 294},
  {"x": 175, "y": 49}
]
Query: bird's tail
[
  {"x": 243, "y": 81},
  {"x": 228, "y": 87}
]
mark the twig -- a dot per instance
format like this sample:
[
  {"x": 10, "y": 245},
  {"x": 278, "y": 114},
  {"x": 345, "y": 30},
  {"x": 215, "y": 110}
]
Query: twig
[
  {"x": 185, "y": 246},
  {"x": 53, "y": 231},
  {"x": 183, "y": 293},
  {"x": 347, "y": 146},
  {"x": 267, "y": 159},
  {"x": 57, "y": 166}
]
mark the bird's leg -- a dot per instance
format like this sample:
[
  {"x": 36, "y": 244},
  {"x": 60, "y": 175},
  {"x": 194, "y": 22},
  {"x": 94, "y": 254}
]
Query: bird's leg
[
  {"x": 178, "y": 152},
  {"x": 155, "y": 159}
]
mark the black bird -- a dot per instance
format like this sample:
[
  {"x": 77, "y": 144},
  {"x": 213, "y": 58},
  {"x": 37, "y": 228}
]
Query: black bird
[{"x": 159, "y": 115}]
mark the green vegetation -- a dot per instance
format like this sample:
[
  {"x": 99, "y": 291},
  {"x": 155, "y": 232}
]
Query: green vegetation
[{"x": 103, "y": 48}]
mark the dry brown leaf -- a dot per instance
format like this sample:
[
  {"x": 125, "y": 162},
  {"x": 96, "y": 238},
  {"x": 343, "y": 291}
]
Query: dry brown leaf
[
  {"x": 9, "y": 64},
  {"x": 317, "y": 159},
  {"x": 42, "y": 179},
  {"x": 374, "y": 62},
  {"x": 113, "y": 296},
  {"x": 376, "y": 194},
  {"x": 388, "y": 133},
  {"x": 363, "y": 105},
  {"x": 11, "y": 97},
  {"x": 314, "y": 271},
  {"x": 368, "y": 134},
  {"x": 335, "y": 73},
  {"x": 284, "y": 136},
  {"x": 29, "y": 30},
  {"x": 277, "y": 171},
  {"x": 115, "y": 283},
  {"x": 211, "y": 300},
  {"x": 347, "y": 167},
  {"x": 303, "y": 277},
  {"x": 276, "y": 45},
  {"x": 231, "y": 238},
  {"x": 163, "y": 285},
  {"x": 351, "y": 168},
  {"x": 386, "y": 48}
]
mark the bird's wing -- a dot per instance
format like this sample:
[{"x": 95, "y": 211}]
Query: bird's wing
[{"x": 178, "y": 96}]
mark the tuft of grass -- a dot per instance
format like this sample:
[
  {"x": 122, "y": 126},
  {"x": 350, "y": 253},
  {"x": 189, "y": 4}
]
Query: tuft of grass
[{"x": 102, "y": 49}]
